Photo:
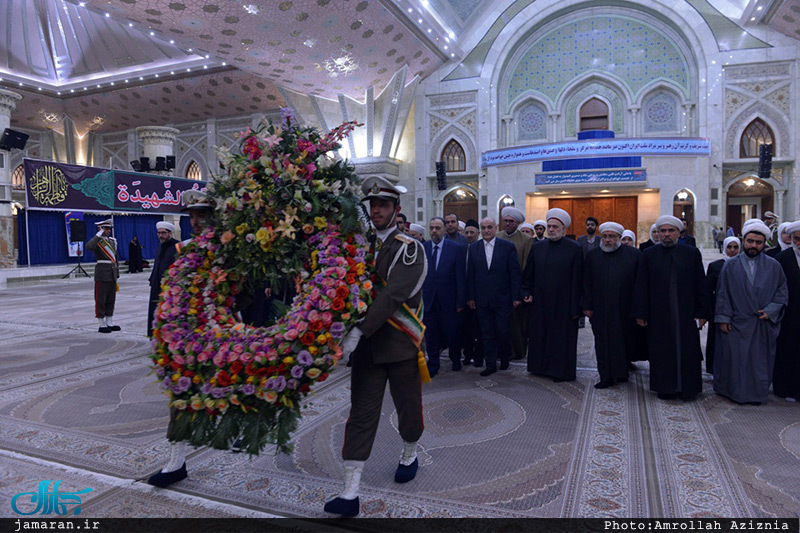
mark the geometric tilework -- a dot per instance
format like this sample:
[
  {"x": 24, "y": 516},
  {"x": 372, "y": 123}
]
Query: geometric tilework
[
  {"x": 660, "y": 113},
  {"x": 532, "y": 122},
  {"x": 629, "y": 50}
]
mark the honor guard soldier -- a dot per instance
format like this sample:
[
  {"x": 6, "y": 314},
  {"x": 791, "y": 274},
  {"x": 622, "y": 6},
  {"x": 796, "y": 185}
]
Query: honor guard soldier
[
  {"x": 385, "y": 346},
  {"x": 199, "y": 208},
  {"x": 106, "y": 273}
]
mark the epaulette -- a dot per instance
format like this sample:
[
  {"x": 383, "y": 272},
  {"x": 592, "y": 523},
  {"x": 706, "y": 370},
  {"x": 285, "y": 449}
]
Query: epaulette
[{"x": 402, "y": 237}]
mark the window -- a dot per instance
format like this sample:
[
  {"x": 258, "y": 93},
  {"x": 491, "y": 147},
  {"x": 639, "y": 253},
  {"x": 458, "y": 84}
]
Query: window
[
  {"x": 755, "y": 134},
  {"x": 594, "y": 115},
  {"x": 454, "y": 158},
  {"x": 193, "y": 171},
  {"x": 18, "y": 178}
]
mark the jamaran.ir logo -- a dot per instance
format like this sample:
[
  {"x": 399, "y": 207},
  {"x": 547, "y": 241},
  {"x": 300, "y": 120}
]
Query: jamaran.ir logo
[{"x": 47, "y": 499}]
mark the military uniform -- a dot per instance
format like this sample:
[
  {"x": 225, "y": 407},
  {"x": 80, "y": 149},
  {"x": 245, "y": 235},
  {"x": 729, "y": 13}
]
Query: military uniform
[
  {"x": 381, "y": 353},
  {"x": 106, "y": 273},
  {"x": 385, "y": 353}
]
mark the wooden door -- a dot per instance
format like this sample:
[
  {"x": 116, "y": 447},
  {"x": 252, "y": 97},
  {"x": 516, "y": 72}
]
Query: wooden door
[
  {"x": 465, "y": 210},
  {"x": 622, "y": 209}
]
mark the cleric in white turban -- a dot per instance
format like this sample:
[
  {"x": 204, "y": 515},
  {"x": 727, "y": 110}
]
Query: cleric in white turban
[
  {"x": 609, "y": 277},
  {"x": 169, "y": 226},
  {"x": 515, "y": 213},
  {"x": 786, "y": 377},
  {"x": 552, "y": 281},
  {"x": 669, "y": 220},
  {"x": 539, "y": 227},
  {"x": 560, "y": 215},
  {"x": 416, "y": 231}
]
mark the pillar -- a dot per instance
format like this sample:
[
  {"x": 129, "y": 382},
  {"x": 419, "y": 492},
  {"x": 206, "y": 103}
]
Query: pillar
[
  {"x": 8, "y": 102},
  {"x": 159, "y": 141}
]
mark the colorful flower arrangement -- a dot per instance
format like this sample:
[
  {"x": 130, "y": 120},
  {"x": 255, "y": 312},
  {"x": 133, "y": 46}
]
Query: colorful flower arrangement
[{"x": 284, "y": 209}]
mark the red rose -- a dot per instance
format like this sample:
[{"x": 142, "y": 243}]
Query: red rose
[
  {"x": 350, "y": 278},
  {"x": 342, "y": 291},
  {"x": 249, "y": 370},
  {"x": 308, "y": 337},
  {"x": 315, "y": 325},
  {"x": 223, "y": 378},
  {"x": 236, "y": 367},
  {"x": 337, "y": 304},
  {"x": 323, "y": 376}
]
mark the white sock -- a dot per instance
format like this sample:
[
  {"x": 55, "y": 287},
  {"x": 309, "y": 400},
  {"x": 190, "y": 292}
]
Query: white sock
[
  {"x": 352, "y": 479},
  {"x": 102, "y": 322},
  {"x": 109, "y": 321},
  {"x": 177, "y": 456},
  {"x": 409, "y": 453}
]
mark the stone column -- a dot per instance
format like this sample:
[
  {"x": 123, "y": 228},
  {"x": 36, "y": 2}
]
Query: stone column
[
  {"x": 636, "y": 130},
  {"x": 8, "y": 102},
  {"x": 159, "y": 141},
  {"x": 779, "y": 209},
  {"x": 553, "y": 133}
]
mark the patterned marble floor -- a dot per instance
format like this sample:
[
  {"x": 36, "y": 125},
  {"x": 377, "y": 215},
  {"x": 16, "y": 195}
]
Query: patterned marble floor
[{"x": 82, "y": 407}]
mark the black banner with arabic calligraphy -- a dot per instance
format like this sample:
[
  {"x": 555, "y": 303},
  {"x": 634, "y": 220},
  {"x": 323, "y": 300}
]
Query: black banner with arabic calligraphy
[{"x": 58, "y": 186}]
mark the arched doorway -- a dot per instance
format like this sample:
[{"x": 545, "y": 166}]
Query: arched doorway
[
  {"x": 749, "y": 197},
  {"x": 463, "y": 202},
  {"x": 683, "y": 208}
]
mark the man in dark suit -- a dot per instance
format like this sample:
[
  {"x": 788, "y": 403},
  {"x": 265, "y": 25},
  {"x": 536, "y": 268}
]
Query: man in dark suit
[
  {"x": 165, "y": 256},
  {"x": 452, "y": 229},
  {"x": 685, "y": 237},
  {"x": 443, "y": 294},
  {"x": 493, "y": 288}
]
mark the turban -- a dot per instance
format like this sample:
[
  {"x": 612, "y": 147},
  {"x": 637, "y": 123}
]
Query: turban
[
  {"x": 461, "y": 224},
  {"x": 472, "y": 223},
  {"x": 165, "y": 225},
  {"x": 629, "y": 233},
  {"x": 526, "y": 225},
  {"x": 757, "y": 227},
  {"x": 781, "y": 230},
  {"x": 750, "y": 221},
  {"x": 560, "y": 215},
  {"x": 514, "y": 213},
  {"x": 541, "y": 223},
  {"x": 729, "y": 240},
  {"x": 416, "y": 227},
  {"x": 669, "y": 220},
  {"x": 611, "y": 226},
  {"x": 793, "y": 228}
]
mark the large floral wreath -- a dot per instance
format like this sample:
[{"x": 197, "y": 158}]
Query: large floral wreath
[{"x": 285, "y": 210}]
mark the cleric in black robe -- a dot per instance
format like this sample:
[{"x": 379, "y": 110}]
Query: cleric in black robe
[
  {"x": 553, "y": 281},
  {"x": 609, "y": 276},
  {"x": 134, "y": 256},
  {"x": 786, "y": 376},
  {"x": 165, "y": 256},
  {"x": 669, "y": 296},
  {"x": 730, "y": 247}
]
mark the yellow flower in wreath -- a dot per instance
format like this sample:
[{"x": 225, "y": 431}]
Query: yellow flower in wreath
[
  {"x": 320, "y": 222},
  {"x": 242, "y": 228}
]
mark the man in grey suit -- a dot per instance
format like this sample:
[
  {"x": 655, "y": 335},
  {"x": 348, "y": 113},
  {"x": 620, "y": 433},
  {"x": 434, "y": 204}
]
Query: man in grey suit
[
  {"x": 381, "y": 352},
  {"x": 106, "y": 273}
]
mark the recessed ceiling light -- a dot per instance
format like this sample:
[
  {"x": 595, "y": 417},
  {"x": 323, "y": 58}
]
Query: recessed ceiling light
[
  {"x": 141, "y": 78},
  {"x": 410, "y": 10},
  {"x": 419, "y": 20},
  {"x": 126, "y": 81},
  {"x": 224, "y": 63},
  {"x": 71, "y": 90},
  {"x": 752, "y": 19},
  {"x": 108, "y": 15},
  {"x": 112, "y": 83},
  {"x": 452, "y": 35},
  {"x": 156, "y": 75},
  {"x": 429, "y": 30},
  {"x": 445, "y": 47},
  {"x": 188, "y": 70},
  {"x": 205, "y": 66},
  {"x": 98, "y": 85},
  {"x": 207, "y": 56},
  {"x": 130, "y": 24},
  {"x": 172, "y": 72},
  {"x": 20, "y": 84},
  {"x": 81, "y": 4},
  {"x": 759, "y": 8},
  {"x": 59, "y": 93},
  {"x": 190, "y": 49},
  {"x": 172, "y": 41},
  {"x": 452, "y": 55},
  {"x": 39, "y": 89}
]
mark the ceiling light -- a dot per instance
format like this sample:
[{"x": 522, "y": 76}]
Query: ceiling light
[
  {"x": 752, "y": 19},
  {"x": 429, "y": 30},
  {"x": 564, "y": 192},
  {"x": 112, "y": 83},
  {"x": 72, "y": 90},
  {"x": 108, "y": 15},
  {"x": 445, "y": 47},
  {"x": 39, "y": 89},
  {"x": 205, "y": 66},
  {"x": 59, "y": 93},
  {"x": 171, "y": 72},
  {"x": 172, "y": 41},
  {"x": 759, "y": 8},
  {"x": 130, "y": 24},
  {"x": 82, "y": 4},
  {"x": 20, "y": 84},
  {"x": 419, "y": 20},
  {"x": 252, "y": 9},
  {"x": 424, "y": 3},
  {"x": 190, "y": 49},
  {"x": 141, "y": 78},
  {"x": 156, "y": 77},
  {"x": 310, "y": 42},
  {"x": 224, "y": 63},
  {"x": 207, "y": 56},
  {"x": 452, "y": 55},
  {"x": 410, "y": 10},
  {"x": 188, "y": 70},
  {"x": 126, "y": 81},
  {"x": 749, "y": 182},
  {"x": 98, "y": 85},
  {"x": 452, "y": 35},
  {"x": 605, "y": 190},
  {"x": 152, "y": 34},
  {"x": 85, "y": 89}
]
